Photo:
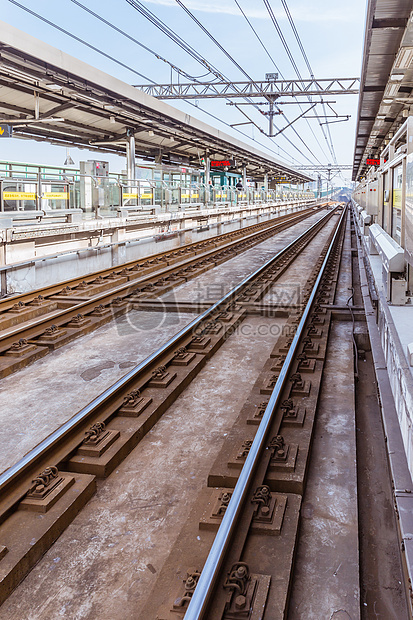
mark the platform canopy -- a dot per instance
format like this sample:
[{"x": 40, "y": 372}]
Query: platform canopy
[
  {"x": 48, "y": 95},
  {"x": 386, "y": 79}
]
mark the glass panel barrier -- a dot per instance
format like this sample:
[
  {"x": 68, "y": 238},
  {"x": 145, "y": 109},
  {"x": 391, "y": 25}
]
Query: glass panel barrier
[
  {"x": 54, "y": 195},
  {"x": 19, "y": 195}
]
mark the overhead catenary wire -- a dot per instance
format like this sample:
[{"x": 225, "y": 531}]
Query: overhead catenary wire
[
  {"x": 217, "y": 43},
  {"x": 280, "y": 73},
  {"x": 190, "y": 50},
  {"x": 292, "y": 60},
  {"x": 108, "y": 56},
  {"x": 206, "y": 31},
  {"x": 258, "y": 37},
  {"x": 179, "y": 41},
  {"x": 131, "y": 38},
  {"x": 79, "y": 39},
  {"x": 297, "y": 36},
  {"x": 138, "y": 6},
  {"x": 306, "y": 60},
  {"x": 283, "y": 40}
]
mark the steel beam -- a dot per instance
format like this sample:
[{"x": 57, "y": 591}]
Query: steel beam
[{"x": 225, "y": 90}]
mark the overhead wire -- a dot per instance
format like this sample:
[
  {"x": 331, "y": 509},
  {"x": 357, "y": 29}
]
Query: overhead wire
[
  {"x": 300, "y": 45},
  {"x": 80, "y": 40},
  {"x": 283, "y": 40},
  {"x": 258, "y": 37},
  {"x": 206, "y": 31},
  {"x": 190, "y": 50},
  {"x": 131, "y": 38},
  {"x": 177, "y": 39},
  {"x": 138, "y": 6},
  {"x": 108, "y": 56},
  {"x": 280, "y": 73},
  {"x": 217, "y": 43},
  {"x": 290, "y": 56},
  {"x": 297, "y": 36}
]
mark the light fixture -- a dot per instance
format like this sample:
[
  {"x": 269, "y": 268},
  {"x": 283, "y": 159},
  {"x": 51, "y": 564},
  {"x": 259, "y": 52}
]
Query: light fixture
[
  {"x": 68, "y": 161},
  {"x": 112, "y": 120},
  {"x": 381, "y": 117},
  {"x": 405, "y": 113},
  {"x": 404, "y": 58},
  {"x": 387, "y": 101},
  {"x": 396, "y": 77},
  {"x": 151, "y": 133},
  {"x": 386, "y": 142},
  {"x": 392, "y": 90}
]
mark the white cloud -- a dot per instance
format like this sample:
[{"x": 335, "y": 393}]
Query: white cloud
[{"x": 312, "y": 13}]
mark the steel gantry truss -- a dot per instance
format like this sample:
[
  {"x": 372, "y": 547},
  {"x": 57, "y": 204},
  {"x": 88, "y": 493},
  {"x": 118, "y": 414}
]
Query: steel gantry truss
[
  {"x": 328, "y": 172},
  {"x": 269, "y": 88},
  {"x": 325, "y": 168}
]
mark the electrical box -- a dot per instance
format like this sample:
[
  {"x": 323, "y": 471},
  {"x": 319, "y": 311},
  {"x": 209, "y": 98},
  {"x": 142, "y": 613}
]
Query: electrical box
[
  {"x": 94, "y": 190},
  {"x": 398, "y": 291},
  {"x": 96, "y": 168}
]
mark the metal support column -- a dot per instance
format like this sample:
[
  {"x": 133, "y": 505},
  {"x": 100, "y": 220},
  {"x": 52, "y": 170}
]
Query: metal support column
[
  {"x": 207, "y": 170},
  {"x": 244, "y": 177},
  {"x": 207, "y": 176},
  {"x": 271, "y": 118},
  {"x": 39, "y": 190},
  {"x": 130, "y": 155}
]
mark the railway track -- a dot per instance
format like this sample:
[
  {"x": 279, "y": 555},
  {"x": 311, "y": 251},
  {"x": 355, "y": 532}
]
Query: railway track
[
  {"x": 254, "y": 509},
  {"x": 33, "y": 324},
  {"x": 35, "y": 508}
]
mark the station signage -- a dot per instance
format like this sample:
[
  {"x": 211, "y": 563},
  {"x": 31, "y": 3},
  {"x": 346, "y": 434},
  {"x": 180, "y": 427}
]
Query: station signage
[
  {"x": 56, "y": 195},
  {"x": 373, "y": 162},
  {"x": 6, "y": 131},
  {"x": 19, "y": 196},
  {"x": 222, "y": 163}
]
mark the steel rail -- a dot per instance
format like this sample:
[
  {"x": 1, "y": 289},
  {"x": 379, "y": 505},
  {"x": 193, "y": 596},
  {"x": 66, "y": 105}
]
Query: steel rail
[
  {"x": 136, "y": 240},
  {"x": 36, "y": 326},
  {"x": 200, "y": 599},
  {"x": 58, "y": 435},
  {"x": 245, "y": 233}
]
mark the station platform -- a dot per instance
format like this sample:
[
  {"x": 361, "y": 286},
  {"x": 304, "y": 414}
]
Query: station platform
[
  {"x": 391, "y": 332},
  {"x": 395, "y": 326}
]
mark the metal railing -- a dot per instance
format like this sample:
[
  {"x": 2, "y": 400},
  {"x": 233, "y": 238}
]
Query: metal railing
[{"x": 25, "y": 187}]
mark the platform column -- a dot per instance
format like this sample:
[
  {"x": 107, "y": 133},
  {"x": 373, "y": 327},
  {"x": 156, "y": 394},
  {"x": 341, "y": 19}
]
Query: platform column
[
  {"x": 207, "y": 177},
  {"x": 130, "y": 158}
]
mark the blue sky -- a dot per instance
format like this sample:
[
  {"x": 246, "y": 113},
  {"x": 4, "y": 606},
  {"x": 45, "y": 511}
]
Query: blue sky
[{"x": 331, "y": 33}]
